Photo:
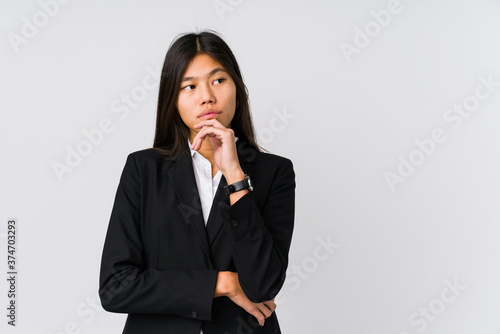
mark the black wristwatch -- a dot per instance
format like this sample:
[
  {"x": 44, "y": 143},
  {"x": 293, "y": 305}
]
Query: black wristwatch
[{"x": 240, "y": 185}]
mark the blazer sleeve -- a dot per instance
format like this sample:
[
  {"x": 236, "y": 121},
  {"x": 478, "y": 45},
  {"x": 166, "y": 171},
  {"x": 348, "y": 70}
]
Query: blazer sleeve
[
  {"x": 126, "y": 284},
  {"x": 261, "y": 240}
]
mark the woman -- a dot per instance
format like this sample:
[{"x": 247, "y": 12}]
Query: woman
[{"x": 201, "y": 225}]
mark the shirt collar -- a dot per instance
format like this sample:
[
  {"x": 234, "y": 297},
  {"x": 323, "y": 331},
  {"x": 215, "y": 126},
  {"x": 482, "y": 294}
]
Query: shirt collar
[{"x": 194, "y": 151}]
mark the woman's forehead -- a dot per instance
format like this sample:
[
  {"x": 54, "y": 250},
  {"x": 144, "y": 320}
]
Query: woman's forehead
[{"x": 203, "y": 65}]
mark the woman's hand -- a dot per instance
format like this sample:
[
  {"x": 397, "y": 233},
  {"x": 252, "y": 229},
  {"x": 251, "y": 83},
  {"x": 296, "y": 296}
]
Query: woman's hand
[
  {"x": 228, "y": 285},
  {"x": 223, "y": 145},
  {"x": 225, "y": 154}
]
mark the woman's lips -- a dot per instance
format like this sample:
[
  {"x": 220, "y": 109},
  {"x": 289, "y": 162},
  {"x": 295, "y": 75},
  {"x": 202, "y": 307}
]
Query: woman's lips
[{"x": 209, "y": 114}]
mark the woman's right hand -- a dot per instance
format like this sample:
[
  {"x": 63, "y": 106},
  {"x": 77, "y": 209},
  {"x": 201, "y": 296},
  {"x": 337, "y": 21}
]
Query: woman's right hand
[{"x": 229, "y": 286}]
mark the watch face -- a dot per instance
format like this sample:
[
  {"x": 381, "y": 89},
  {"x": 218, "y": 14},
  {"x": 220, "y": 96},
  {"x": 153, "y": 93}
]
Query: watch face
[{"x": 250, "y": 187}]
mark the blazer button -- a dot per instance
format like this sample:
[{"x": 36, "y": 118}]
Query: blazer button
[
  {"x": 234, "y": 222},
  {"x": 194, "y": 314}
]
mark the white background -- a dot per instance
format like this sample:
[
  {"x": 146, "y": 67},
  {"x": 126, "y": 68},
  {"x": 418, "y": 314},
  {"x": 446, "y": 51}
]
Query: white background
[{"x": 350, "y": 121}]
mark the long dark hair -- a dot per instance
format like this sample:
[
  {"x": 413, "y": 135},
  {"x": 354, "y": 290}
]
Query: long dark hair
[{"x": 171, "y": 133}]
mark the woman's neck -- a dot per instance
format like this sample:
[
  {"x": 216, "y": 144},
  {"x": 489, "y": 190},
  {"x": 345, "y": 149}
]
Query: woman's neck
[{"x": 206, "y": 151}]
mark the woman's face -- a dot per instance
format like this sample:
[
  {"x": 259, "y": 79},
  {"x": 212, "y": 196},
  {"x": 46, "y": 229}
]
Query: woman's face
[{"x": 207, "y": 91}]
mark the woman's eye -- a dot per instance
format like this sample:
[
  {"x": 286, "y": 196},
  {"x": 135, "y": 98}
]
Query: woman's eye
[
  {"x": 188, "y": 87},
  {"x": 219, "y": 81}
]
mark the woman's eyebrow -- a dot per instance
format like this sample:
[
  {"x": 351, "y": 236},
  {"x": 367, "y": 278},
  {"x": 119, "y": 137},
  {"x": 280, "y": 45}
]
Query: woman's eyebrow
[{"x": 212, "y": 72}]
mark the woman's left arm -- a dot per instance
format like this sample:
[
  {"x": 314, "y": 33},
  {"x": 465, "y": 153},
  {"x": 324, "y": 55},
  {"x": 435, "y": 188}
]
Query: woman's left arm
[{"x": 261, "y": 240}]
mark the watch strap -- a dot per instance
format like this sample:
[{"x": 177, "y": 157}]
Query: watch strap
[{"x": 240, "y": 185}]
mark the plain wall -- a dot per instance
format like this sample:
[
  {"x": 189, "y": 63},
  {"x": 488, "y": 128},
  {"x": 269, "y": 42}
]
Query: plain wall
[{"x": 389, "y": 111}]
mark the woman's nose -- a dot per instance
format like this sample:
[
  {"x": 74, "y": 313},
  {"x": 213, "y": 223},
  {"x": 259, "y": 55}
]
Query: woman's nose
[{"x": 206, "y": 94}]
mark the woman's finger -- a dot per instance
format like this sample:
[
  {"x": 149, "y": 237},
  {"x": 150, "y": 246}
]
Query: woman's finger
[
  {"x": 266, "y": 312},
  {"x": 200, "y": 136},
  {"x": 270, "y": 305},
  {"x": 206, "y": 131},
  {"x": 241, "y": 300},
  {"x": 210, "y": 122},
  {"x": 221, "y": 134}
]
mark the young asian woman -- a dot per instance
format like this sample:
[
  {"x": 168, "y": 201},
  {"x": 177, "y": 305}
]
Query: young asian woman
[{"x": 202, "y": 222}]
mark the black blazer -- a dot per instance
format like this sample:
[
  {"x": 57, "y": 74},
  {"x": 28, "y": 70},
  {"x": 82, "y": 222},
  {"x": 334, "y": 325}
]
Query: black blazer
[{"x": 160, "y": 262}]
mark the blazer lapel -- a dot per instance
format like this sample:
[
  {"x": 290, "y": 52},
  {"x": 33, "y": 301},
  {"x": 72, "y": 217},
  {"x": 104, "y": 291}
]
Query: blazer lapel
[
  {"x": 246, "y": 157},
  {"x": 215, "y": 223},
  {"x": 181, "y": 175}
]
